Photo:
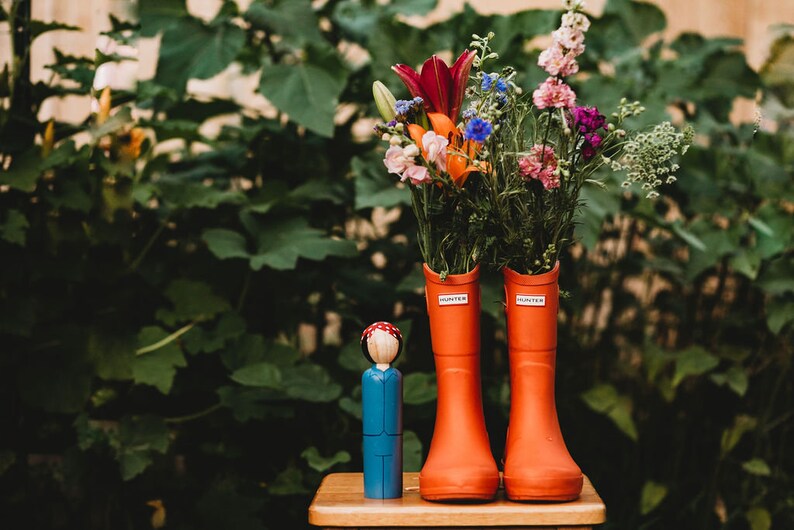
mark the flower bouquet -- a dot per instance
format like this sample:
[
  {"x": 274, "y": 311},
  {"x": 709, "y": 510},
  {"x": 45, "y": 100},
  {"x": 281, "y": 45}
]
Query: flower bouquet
[{"x": 498, "y": 183}]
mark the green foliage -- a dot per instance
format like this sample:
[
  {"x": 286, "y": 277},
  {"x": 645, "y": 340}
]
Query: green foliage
[{"x": 180, "y": 309}]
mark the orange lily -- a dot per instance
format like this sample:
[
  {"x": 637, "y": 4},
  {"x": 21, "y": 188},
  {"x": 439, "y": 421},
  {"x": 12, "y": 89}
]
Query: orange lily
[{"x": 459, "y": 153}]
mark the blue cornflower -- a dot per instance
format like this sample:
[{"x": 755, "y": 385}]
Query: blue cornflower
[
  {"x": 502, "y": 98},
  {"x": 487, "y": 82},
  {"x": 478, "y": 130},
  {"x": 417, "y": 101},
  {"x": 501, "y": 86},
  {"x": 469, "y": 114},
  {"x": 403, "y": 107}
]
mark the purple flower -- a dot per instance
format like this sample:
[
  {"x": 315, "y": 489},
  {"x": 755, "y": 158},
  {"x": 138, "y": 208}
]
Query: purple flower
[
  {"x": 588, "y": 119},
  {"x": 403, "y": 107},
  {"x": 593, "y": 139},
  {"x": 478, "y": 130},
  {"x": 591, "y": 143}
]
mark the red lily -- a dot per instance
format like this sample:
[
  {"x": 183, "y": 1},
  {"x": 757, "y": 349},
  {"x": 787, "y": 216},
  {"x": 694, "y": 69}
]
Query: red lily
[
  {"x": 459, "y": 153},
  {"x": 441, "y": 87}
]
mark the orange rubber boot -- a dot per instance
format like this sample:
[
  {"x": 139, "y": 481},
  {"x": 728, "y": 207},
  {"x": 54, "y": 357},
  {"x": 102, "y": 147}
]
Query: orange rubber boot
[
  {"x": 459, "y": 465},
  {"x": 537, "y": 463}
]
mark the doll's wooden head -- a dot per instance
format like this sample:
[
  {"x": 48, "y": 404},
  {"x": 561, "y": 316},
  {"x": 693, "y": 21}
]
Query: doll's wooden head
[{"x": 381, "y": 343}]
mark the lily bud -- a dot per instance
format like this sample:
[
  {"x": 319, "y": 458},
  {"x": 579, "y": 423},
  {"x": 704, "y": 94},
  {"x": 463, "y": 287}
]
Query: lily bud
[
  {"x": 384, "y": 100},
  {"x": 48, "y": 140},
  {"x": 104, "y": 106}
]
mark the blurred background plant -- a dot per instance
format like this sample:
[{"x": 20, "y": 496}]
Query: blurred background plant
[{"x": 184, "y": 279}]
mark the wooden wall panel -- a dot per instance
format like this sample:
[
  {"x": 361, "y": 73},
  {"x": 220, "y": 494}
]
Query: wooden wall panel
[{"x": 751, "y": 20}]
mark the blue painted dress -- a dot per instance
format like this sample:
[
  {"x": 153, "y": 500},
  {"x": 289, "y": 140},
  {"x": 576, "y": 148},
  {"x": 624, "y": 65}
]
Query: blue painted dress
[{"x": 383, "y": 433}]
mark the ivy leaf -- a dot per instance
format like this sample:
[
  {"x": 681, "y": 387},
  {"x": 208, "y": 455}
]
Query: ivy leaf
[
  {"x": 605, "y": 400},
  {"x": 309, "y": 382},
  {"x": 283, "y": 242},
  {"x": 38, "y": 28},
  {"x": 288, "y": 482},
  {"x": 157, "y": 368},
  {"x": 419, "y": 388},
  {"x": 195, "y": 195},
  {"x": 759, "y": 518},
  {"x": 778, "y": 314},
  {"x": 652, "y": 496},
  {"x": 308, "y": 91},
  {"x": 292, "y": 20},
  {"x": 225, "y": 244},
  {"x": 374, "y": 186},
  {"x": 191, "y": 49},
  {"x": 412, "y": 452},
  {"x": 191, "y": 300},
  {"x": 322, "y": 463},
  {"x": 24, "y": 171},
  {"x": 157, "y": 15},
  {"x": 138, "y": 438},
  {"x": 778, "y": 276},
  {"x": 742, "y": 424},
  {"x": 693, "y": 361},
  {"x": 735, "y": 378},
  {"x": 758, "y": 467},
  {"x": 263, "y": 374},
  {"x": 14, "y": 228}
]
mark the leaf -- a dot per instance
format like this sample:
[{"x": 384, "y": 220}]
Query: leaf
[
  {"x": 321, "y": 463},
  {"x": 693, "y": 361},
  {"x": 310, "y": 382},
  {"x": 194, "y": 195},
  {"x": 351, "y": 406},
  {"x": 38, "y": 28},
  {"x": 24, "y": 172},
  {"x": 747, "y": 262},
  {"x": 605, "y": 399},
  {"x": 222, "y": 506},
  {"x": 139, "y": 438},
  {"x": 157, "y": 15},
  {"x": 288, "y": 482},
  {"x": 292, "y": 20},
  {"x": 351, "y": 358},
  {"x": 262, "y": 374},
  {"x": 283, "y": 242},
  {"x": 58, "y": 382},
  {"x": 735, "y": 378},
  {"x": 14, "y": 229},
  {"x": 190, "y": 49},
  {"x": 758, "y": 467},
  {"x": 759, "y": 518},
  {"x": 640, "y": 18},
  {"x": 246, "y": 403},
  {"x": 410, "y": 7},
  {"x": 191, "y": 301},
  {"x": 778, "y": 314},
  {"x": 112, "y": 354},
  {"x": 200, "y": 340},
  {"x": 308, "y": 91},
  {"x": 419, "y": 388},
  {"x": 225, "y": 244},
  {"x": 731, "y": 436},
  {"x": 374, "y": 186},
  {"x": 412, "y": 452},
  {"x": 778, "y": 276},
  {"x": 652, "y": 496},
  {"x": 157, "y": 368},
  {"x": 688, "y": 237}
]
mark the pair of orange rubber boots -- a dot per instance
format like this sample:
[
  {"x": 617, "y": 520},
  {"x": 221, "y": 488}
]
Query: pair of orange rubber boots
[{"x": 460, "y": 465}]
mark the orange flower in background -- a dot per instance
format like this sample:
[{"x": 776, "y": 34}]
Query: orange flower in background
[{"x": 460, "y": 152}]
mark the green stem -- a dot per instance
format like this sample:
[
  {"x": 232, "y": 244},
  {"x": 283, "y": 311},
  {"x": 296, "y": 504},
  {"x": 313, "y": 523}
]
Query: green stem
[
  {"x": 148, "y": 246},
  {"x": 165, "y": 341},
  {"x": 194, "y": 416}
]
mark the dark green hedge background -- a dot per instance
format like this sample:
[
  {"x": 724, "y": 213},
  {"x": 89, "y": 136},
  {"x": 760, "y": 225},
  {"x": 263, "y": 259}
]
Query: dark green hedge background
[{"x": 182, "y": 326}]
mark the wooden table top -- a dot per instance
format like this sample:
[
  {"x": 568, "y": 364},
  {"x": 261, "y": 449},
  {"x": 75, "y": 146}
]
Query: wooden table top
[{"x": 340, "y": 502}]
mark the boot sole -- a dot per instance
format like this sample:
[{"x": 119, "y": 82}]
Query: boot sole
[
  {"x": 557, "y": 489},
  {"x": 454, "y": 492}
]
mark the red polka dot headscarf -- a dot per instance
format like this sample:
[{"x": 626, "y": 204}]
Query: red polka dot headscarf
[{"x": 389, "y": 328}]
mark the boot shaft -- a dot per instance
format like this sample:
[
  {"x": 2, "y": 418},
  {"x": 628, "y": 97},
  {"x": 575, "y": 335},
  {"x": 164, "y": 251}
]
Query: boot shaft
[
  {"x": 531, "y": 305},
  {"x": 453, "y": 306}
]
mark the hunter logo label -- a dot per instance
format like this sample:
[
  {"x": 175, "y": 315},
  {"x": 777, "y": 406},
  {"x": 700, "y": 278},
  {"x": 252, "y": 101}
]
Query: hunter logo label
[
  {"x": 453, "y": 299},
  {"x": 533, "y": 300}
]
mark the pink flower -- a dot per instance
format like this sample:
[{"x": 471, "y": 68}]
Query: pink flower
[
  {"x": 570, "y": 39},
  {"x": 435, "y": 149},
  {"x": 576, "y": 21},
  {"x": 555, "y": 62},
  {"x": 554, "y": 93},
  {"x": 417, "y": 175},
  {"x": 398, "y": 159},
  {"x": 540, "y": 164}
]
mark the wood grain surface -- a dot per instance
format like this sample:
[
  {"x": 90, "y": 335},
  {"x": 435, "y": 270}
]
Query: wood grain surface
[{"x": 339, "y": 502}]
